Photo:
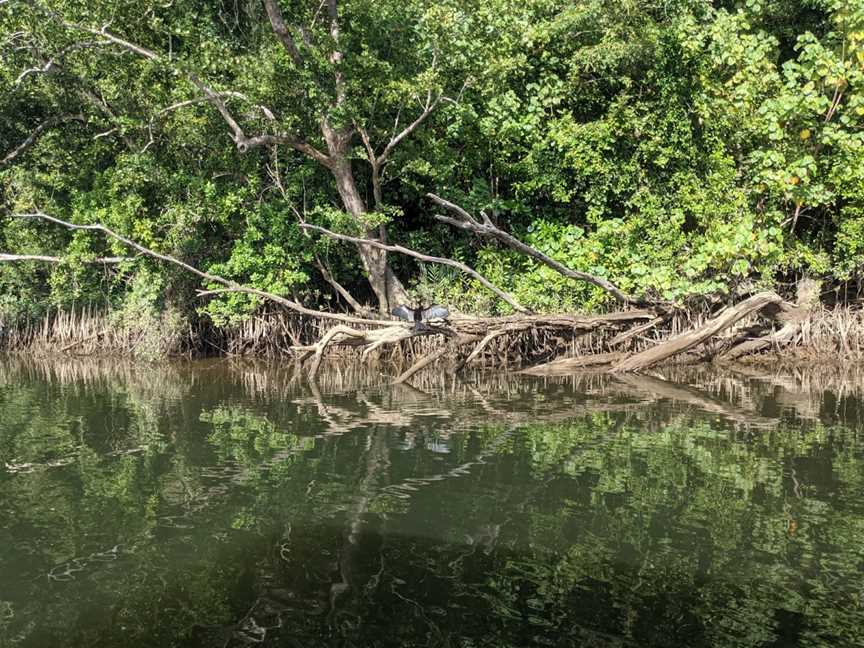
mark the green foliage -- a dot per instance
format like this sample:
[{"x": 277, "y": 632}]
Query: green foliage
[{"x": 675, "y": 148}]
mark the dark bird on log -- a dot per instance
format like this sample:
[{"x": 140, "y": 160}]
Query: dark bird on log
[{"x": 419, "y": 315}]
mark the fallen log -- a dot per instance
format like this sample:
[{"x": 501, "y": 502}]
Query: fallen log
[
  {"x": 685, "y": 341},
  {"x": 564, "y": 366},
  {"x": 792, "y": 319}
]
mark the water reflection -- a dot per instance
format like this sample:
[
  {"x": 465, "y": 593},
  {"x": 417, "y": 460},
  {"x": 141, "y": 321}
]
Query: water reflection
[{"x": 217, "y": 504}]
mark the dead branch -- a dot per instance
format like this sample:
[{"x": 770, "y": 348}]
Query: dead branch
[
  {"x": 52, "y": 63},
  {"x": 428, "y": 108},
  {"x": 339, "y": 288},
  {"x": 792, "y": 318},
  {"x": 681, "y": 343},
  {"x": 230, "y": 286},
  {"x": 488, "y": 229},
  {"x": 53, "y": 259},
  {"x": 36, "y": 132},
  {"x": 622, "y": 337},
  {"x": 461, "y": 331},
  {"x": 423, "y": 257},
  {"x": 564, "y": 366}
]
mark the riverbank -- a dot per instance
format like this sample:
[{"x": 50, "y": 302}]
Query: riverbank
[{"x": 832, "y": 334}]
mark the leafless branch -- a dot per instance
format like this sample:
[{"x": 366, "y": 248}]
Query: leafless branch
[
  {"x": 356, "y": 306},
  {"x": 488, "y": 229},
  {"x": 52, "y": 63},
  {"x": 423, "y": 257},
  {"x": 428, "y": 109},
  {"x": 230, "y": 286},
  {"x": 53, "y": 259},
  {"x": 35, "y": 133}
]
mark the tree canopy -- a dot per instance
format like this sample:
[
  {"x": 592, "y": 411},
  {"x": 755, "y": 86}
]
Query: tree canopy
[{"x": 675, "y": 148}]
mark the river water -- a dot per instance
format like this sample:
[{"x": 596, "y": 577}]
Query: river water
[{"x": 222, "y": 504}]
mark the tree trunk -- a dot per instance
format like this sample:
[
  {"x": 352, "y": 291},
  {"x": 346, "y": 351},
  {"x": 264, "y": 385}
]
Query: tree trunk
[{"x": 385, "y": 284}]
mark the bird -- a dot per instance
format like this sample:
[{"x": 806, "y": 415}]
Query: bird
[{"x": 419, "y": 315}]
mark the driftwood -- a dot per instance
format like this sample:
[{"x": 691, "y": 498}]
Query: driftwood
[
  {"x": 564, "y": 366},
  {"x": 686, "y": 341},
  {"x": 791, "y": 319},
  {"x": 462, "y": 331}
]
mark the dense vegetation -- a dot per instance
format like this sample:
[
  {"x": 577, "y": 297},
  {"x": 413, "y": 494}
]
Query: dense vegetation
[{"x": 675, "y": 147}]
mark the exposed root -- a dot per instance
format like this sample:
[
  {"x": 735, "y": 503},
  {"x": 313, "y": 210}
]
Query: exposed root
[
  {"x": 792, "y": 318},
  {"x": 346, "y": 335},
  {"x": 463, "y": 331},
  {"x": 428, "y": 359}
]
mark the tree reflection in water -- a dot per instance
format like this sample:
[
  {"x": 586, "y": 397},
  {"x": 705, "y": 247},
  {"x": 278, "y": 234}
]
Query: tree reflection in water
[{"x": 218, "y": 504}]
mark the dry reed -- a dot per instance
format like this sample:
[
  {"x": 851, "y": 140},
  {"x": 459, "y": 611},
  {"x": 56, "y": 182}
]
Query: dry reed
[{"x": 828, "y": 335}]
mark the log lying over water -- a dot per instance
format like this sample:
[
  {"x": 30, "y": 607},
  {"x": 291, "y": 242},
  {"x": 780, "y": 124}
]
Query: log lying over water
[
  {"x": 686, "y": 341},
  {"x": 768, "y": 304}
]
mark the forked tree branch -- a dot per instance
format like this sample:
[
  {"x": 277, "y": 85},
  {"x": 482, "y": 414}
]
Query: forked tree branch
[
  {"x": 428, "y": 109},
  {"x": 243, "y": 142},
  {"x": 487, "y": 228},
  {"x": 423, "y": 257},
  {"x": 356, "y": 306}
]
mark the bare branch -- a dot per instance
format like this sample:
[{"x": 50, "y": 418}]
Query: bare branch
[
  {"x": 243, "y": 142},
  {"x": 488, "y": 229},
  {"x": 230, "y": 286},
  {"x": 53, "y": 259},
  {"x": 52, "y": 63},
  {"x": 356, "y": 306},
  {"x": 34, "y": 135},
  {"x": 198, "y": 100},
  {"x": 428, "y": 109},
  {"x": 277, "y": 22},
  {"x": 423, "y": 257}
]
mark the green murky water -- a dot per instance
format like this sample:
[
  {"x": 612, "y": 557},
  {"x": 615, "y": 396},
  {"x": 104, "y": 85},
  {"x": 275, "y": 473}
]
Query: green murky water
[{"x": 221, "y": 505}]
